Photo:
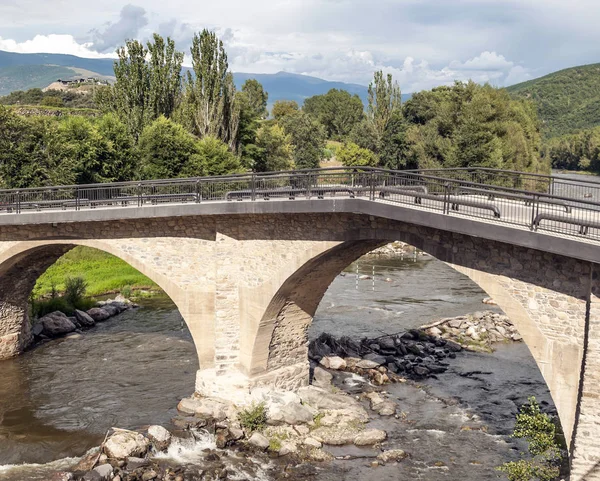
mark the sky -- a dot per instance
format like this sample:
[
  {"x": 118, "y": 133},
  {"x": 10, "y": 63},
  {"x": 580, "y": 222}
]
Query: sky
[{"x": 422, "y": 43}]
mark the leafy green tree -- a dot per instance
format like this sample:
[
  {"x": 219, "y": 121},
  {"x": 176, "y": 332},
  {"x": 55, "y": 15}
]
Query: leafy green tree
[
  {"x": 275, "y": 150},
  {"x": 365, "y": 135},
  {"x": 580, "y": 151},
  {"x": 31, "y": 152},
  {"x": 165, "y": 150},
  {"x": 539, "y": 430},
  {"x": 394, "y": 144},
  {"x": 384, "y": 98},
  {"x": 212, "y": 157},
  {"x": 252, "y": 102},
  {"x": 283, "y": 108},
  {"x": 148, "y": 83},
  {"x": 117, "y": 157},
  {"x": 308, "y": 138},
  {"x": 337, "y": 110},
  {"x": 351, "y": 154},
  {"x": 78, "y": 143},
  {"x": 209, "y": 105},
  {"x": 256, "y": 98},
  {"x": 470, "y": 125},
  {"x": 164, "y": 67}
]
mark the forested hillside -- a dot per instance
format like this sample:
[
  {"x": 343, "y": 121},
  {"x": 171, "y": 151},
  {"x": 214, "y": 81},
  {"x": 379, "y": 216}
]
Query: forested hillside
[
  {"x": 24, "y": 77},
  {"x": 567, "y": 101}
]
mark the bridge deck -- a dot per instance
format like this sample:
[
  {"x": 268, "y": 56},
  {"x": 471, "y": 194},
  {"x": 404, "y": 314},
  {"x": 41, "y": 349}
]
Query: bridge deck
[{"x": 537, "y": 214}]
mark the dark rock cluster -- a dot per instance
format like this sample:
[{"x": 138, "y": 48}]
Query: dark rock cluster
[{"x": 413, "y": 354}]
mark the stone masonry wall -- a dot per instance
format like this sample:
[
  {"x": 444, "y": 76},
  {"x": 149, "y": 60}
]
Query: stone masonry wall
[{"x": 248, "y": 285}]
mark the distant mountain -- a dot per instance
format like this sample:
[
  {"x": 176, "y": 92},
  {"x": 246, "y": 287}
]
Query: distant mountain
[
  {"x": 103, "y": 67},
  {"x": 567, "y": 100},
  {"x": 20, "y": 71},
  {"x": 25, "y": 77}
]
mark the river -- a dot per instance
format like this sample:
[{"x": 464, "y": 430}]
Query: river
[{"x": 60, "y": 398}]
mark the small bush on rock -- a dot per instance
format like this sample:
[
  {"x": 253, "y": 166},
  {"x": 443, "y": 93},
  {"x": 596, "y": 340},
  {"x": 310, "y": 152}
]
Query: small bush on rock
[
  {"x": 254, "y": 418},
  {"x": 539, "y": 430}
]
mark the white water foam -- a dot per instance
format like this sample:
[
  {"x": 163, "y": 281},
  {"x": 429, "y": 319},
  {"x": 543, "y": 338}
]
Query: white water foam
[
  {"x": 35, "y": 471},
  {"x": 436, "y": 432},
  {"x": 189, "y": 450},
  {"x": 354, "y": 380}
]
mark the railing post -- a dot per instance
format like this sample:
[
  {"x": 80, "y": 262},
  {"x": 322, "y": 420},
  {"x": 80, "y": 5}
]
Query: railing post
[
  {"x": 18, "y": 207},
  {"x": 446, "y": 198},
  {"x": 372, "y": 186},
  {"x": 308, "y": 185},
  {"x": 139, "y": 196},
  {"x": 198, "y": 191},
  {"x": 535, "y": 209},
  {"x": 76, "y": 198},
  {"x": 253, "y": 187}
]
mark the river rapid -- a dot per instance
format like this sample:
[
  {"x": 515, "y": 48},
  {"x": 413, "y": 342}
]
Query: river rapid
[{"x": 60, "y": 399}]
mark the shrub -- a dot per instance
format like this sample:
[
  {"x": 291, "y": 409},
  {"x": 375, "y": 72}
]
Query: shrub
[
  {"x": 539, "y": 430},
  {"x": 351, "y": 154},
  {"x": 75, "y": 288},
  {"x": 42, "y": 307},
  {"x": 126, "y": 292},
  {"x": 254, "y": 418}
]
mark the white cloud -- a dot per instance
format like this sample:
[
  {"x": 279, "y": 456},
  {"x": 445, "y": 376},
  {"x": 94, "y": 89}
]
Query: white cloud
[
  {"x": 422, "y": 42},
  {"x": 52, "y": 44}
]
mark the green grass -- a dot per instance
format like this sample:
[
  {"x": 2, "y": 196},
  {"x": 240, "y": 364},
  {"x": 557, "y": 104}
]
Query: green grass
[{"x": 103, "y": 273}]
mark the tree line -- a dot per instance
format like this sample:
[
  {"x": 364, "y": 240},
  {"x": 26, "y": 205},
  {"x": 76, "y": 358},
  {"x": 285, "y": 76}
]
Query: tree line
[
  {"x": 156, "y": 122},
  {"x": 579, "y": 151}
]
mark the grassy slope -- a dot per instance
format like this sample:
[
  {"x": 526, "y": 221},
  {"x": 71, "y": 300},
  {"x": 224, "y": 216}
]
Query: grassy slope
[
  {"x": 103, "y": 273},
  {"x": 25, "y": 77},
  {"x": 567, "y": 101}
]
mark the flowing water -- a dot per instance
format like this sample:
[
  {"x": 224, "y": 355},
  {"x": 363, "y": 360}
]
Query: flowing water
[{"x": 59, "y": 399}]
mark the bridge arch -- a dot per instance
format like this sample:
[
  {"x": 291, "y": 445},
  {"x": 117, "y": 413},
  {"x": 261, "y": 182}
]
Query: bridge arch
[
  {"x": 22, "y": 263},
  {"x": 543, "y": 294}
]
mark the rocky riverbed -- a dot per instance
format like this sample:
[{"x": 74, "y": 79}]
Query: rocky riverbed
[{"x": 294, "y": 435}]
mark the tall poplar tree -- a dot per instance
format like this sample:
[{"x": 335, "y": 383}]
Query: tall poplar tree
[
  {"x": 210, "y": 108},
  {"x": 384, "y": 98},
  {"x": 148, "y": 83}
]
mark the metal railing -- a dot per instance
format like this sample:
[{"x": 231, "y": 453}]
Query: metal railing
[
  {"x": 580, "y": 188},
  {"x": 514, "y": 198}
]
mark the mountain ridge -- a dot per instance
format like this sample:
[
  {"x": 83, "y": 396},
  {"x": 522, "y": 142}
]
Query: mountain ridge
[
  {"x": 568, "y": 100},
  {"x": 280, "y": 86}
]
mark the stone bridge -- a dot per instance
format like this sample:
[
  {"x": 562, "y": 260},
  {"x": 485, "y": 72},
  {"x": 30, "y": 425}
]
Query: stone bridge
[{"x": 247, "y": 278}]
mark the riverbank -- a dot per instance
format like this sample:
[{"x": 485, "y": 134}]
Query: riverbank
[
  {"x": 102, "y": 272},
  {"x": 58, "y": 324}
]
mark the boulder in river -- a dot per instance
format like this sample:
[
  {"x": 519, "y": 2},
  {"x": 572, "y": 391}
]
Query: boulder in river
[
  {"x": 111, "y": 309},
  {"x": 56, "y": 324},
  {"x": 368, "y": 437},
  {"x": 393, "y": 455},
  {"x": 259, "y": 441},
  {"x": 98, "y": 314},
  {"x": 160, "y": 437},
  {"x": 124, "y": 444},
  {"x": 333, "y": 362},
  {"x": 84, "y": 319},
  {"x": 218, "y": 409},
  {"x": 322, "y": 378},
  {"x": 321, "y": 399}
]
